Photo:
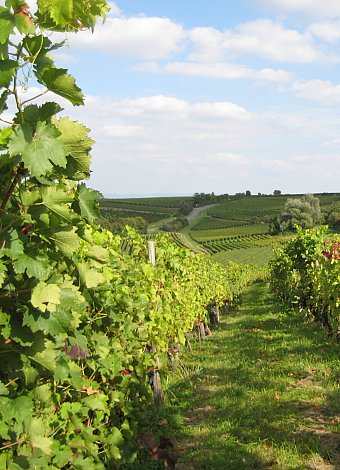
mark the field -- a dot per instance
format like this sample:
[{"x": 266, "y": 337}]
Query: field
[{"x": 235, "y": 230}]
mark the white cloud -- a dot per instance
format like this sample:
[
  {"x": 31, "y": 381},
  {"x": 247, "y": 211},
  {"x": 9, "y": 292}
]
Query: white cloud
[
  {"x": 227, "y": 71},
  {"x": 230, "y": 158},
  {"x": 146, "y": 38},
  {"x": 328, "y": 31},
  {"x": 114, "y": 10},
  {"x": 262, "y": 37},
  {"x": 320, "y": 8},
  {"x": 322, "y": 91},
  {"x": 314, "y": 165},
  {"x": 219, "y": 110},
  {"x": 123, "y": 131}
]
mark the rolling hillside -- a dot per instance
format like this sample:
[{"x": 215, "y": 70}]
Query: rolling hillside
[{"x": 233, "y": 230}]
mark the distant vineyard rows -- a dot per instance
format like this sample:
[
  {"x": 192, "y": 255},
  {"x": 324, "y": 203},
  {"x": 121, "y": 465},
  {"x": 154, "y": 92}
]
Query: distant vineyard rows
[
  {"x": 234, "y": 243},
  {"x": 209, "y": 223},
  {"x": 113, "y": 214},
  {"x": 258, "y": 255},
  {"x": 249, "y": 229}
]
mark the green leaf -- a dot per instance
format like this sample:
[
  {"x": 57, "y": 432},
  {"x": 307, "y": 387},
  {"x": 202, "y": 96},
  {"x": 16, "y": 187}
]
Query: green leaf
[
  {"x": 42, "y": 393},
  {"x": 77, "y": 144},
  {"x": 24, "y": 24},
  {"x": 6, "y": 24},
  {"x": 3, "y": 389},
  {"x": 60, "y": 13},
  {"x": 39, "y": 149},
  {"x": 68, "y": 409},
  {"x": 46, "y": 358},
  {"x": 35, "y": 430},
  {"x": 66, "y": 240},
  {"x": 57, "y": 200},
  {"x": 88, "y": 202},
  {"x": 71, "y": 15},
  {"x": 14, "y": 246},
  {"x": 45, "y": 296},
  {"x": 3, "y": 102},
  {"x": 18, "y": 408},
  {"x": 7, "y": 71},
  {"x": 38, "y": 48},
  {"x": 5, "y": 134},
  {"x": 32, "y": 114},
  {"x": 114, "y": 441},
  {"x": 31, "y": 374},
  {"x": 98, "y": 253},
  {"x": 61, "y": 83},
  {"x": 96, "y": 402},
  {"x": 90, "y": 277},
  {"x": 3, "y": 272},
  {"x": 35, "y": 266}
]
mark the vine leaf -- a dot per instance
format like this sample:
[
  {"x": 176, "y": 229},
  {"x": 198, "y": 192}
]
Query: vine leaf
[
  {"x": 32, "y": 113},
  {"x": 88, "y": 202},
  {"x": 114, "y": 441},
  {"x": 6, "y": 24},
  {"x": 96, "y": 401},
  {"x": 77, "y": 143},
  {"x": 40, "y": 149},
  {"x": 34, "y": 266},
  {"x": 89, "y": 276},
  {"x": 45, "y": 296},
  {"x": 35, "y": 431},
  {"x": 24, "y": 23},
  {"x": 5, "y": 133},
  {"x": 57, "y": 200},
  {"x": 60, "y": 82},
  {"x": 66, "y": 240},
  {"x": 7, "y": 71},
  {"x": 66, "y": 15},
  {"x": 60, "y": 13},
  {"x": 3, "y": 272},
  {"x": 17, "y": 409},
  {"x": 3, "y": 99}
]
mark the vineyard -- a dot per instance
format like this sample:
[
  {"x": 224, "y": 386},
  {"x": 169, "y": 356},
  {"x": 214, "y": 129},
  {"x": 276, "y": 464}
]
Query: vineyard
[
  {"x": 111, "y": 215},
  {"x": 91, "y": 322},
  {"x": 257, "y": 256},
  {"x": 236, "y": 229},
  {"x": 152, "y": 210}
]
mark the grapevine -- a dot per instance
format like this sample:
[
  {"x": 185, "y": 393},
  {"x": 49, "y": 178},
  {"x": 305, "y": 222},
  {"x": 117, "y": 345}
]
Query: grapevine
[
  {"x": 77, "y": 315},
  {"x": 306, "y": 277}
]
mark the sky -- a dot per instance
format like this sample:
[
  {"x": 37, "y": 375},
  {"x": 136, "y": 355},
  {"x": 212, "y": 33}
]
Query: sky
[{"x": 220, "y": 96}]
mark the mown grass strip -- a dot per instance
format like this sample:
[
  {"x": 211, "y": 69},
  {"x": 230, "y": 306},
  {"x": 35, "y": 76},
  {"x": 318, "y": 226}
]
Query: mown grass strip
[{"x": 261, "y": 393}]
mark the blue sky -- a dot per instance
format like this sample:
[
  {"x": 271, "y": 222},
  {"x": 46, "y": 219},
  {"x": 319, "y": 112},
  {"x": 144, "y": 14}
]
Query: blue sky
[{"x": 224, "y": 96}]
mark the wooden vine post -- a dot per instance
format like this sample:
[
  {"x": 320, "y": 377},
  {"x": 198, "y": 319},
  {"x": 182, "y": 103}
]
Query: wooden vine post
[{"x": 156, "y": 383}]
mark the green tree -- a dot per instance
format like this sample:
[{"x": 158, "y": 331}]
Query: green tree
[
  {"x": 303, "y": 212},
  {"x": 333, "y": 215}
]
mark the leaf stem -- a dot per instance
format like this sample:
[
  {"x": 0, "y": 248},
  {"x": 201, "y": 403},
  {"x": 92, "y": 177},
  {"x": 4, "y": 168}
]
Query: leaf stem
[
  {"x": 21, "y": 440},
  {"x": 12, "y": 381}
]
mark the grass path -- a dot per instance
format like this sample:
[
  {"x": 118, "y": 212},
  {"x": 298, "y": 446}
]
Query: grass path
[{"x": 261, "y": 393}]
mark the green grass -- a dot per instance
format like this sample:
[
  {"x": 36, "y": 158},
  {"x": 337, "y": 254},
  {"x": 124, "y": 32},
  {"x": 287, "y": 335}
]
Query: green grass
[{"x": 261, "y": 393}]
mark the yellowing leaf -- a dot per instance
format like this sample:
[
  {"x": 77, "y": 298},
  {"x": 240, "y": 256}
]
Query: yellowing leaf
[
  {"x": 90, "y": 277},
  {"x": 45, "y": 296}
]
